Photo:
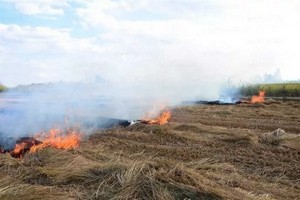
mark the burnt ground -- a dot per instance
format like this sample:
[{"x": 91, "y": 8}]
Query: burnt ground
[{"x": 205, "y": 152}]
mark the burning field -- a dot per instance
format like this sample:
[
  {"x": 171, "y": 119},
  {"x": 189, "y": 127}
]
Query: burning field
[
  {"x": 191, "y": 152},
  {"x": 69, "y": 139},
  {"x": 55, "y": 138}
]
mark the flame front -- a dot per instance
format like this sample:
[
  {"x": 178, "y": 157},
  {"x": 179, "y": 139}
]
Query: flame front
[
  {"x": 55, "y": 138},
  {"x": 19, "y": 148},
  {"x": 22, "y": 146},
  {"x": 258, "y": 99},
  {"x": 162, "y": 119}
]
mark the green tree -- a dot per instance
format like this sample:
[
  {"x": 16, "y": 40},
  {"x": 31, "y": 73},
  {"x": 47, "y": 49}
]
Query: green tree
[{"x": 2, "y": 88}]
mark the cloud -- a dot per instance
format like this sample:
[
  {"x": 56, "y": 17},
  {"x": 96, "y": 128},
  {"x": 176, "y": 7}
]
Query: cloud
[
  {"x": 240, "y": 39},
  {"x": 45, "y": 7},
  {"x": 44, "y": 55},
  {"x": 154, "y": 42}
]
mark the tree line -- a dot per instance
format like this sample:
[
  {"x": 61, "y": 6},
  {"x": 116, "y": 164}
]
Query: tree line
[{"x": 272, "y": 90}]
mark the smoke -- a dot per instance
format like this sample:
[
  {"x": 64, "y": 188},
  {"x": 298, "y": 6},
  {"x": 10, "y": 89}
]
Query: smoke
[
  {"x": 27, "y": 110},
  {"x": 272, "y": 78},
  {"x": 90, "y": 105}
]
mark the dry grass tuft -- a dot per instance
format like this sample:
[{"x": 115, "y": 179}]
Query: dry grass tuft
[
  {"x": 187, "y": 128},
  {"x": 280, "y": 137},
  {"x": 12, "y": 189}
]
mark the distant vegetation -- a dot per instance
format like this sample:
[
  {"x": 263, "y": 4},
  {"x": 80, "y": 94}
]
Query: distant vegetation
[
  {"x": 272, "y": 90},
  {"x": 2, "y": 88}
]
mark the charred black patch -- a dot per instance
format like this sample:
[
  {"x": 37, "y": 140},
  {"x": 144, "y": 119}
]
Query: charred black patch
[
  {"x": 21, "y": 147},
  {"x": 218, "y": 102}
]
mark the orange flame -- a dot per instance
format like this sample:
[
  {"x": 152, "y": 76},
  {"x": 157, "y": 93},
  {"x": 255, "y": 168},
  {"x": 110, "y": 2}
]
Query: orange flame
[
  {"x": 258, "y": 99},
  {"x": 22, "y": 146},
  {"x": 19, "y": 148},
  {"x": 162, "y": 119},
  {"x": 57, "y": 139}
]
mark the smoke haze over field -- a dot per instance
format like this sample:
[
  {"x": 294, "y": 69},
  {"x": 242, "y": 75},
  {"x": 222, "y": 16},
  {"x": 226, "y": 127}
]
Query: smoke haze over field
[
  {"x": 122, "y": 58},
  {"x": 28, "y": 110}
]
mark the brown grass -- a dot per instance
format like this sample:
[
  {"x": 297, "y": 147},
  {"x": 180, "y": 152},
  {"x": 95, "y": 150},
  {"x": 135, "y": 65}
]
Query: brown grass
[{"x": 205, "y": 152}]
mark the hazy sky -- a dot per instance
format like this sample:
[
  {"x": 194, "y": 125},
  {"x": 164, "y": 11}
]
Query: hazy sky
[{"x": 164, "y": 41}]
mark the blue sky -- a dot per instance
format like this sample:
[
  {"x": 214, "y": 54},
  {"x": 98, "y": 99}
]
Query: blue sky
[
  {"x": 67, "y": 20},
  {"x": 181, "y": 43}
]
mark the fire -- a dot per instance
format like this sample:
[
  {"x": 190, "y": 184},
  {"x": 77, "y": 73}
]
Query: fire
[
  {"x": 162, "y": 119},
  {"x": 55, "y": 138},
  {"x": 258, "y": 99},
  {"x": 23, "y": 145}
]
